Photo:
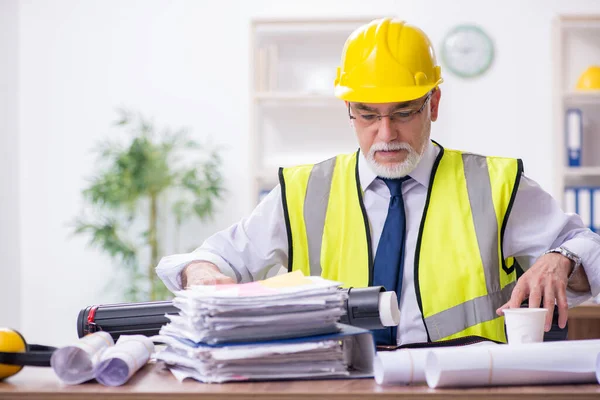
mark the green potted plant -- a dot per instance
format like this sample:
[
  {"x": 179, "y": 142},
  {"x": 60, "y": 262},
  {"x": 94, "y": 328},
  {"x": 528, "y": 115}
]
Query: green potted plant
[{"x": 142, "y": 179}]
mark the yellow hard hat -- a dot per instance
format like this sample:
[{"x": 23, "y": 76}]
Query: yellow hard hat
[
  {"x": 386, "y": 61},
  {"x": 590, "y": 79}
]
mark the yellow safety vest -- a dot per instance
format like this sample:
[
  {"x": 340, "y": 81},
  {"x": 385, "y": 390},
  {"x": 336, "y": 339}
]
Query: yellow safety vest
[{"x": 461, "y": 275}]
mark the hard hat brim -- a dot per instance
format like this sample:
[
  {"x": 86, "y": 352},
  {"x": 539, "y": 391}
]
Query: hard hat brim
[{"x": 383, "y": 95}]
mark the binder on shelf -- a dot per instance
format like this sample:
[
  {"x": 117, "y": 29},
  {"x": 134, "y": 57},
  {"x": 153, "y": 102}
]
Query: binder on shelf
[
  {"x": 262, "y": 194},
  {"x": 584, "y": 205},
  {"x": 574, "y": 136},
  {"x": 570, "y": 201},
  {"x": 596, "y": 209}
]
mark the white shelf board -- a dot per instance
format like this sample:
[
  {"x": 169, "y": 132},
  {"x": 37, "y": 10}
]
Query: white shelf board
[
  {"x": 299, "y": 27},
  {"x": 590, "y": 97},
  {"x": 583, "y": 24},
  {"x": 295, "y": 96},
  {"x": 582, "y": 171}
]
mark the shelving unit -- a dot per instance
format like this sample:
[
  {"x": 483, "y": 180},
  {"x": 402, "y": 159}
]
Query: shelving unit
[
  {"x": 576, "y": 44},
  {"x": 295, "y": 118}
]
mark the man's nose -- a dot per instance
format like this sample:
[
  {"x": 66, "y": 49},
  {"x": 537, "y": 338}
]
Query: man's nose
[{"x": 386, "y": 130}]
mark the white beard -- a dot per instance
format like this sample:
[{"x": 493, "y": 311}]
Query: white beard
[{"x": 396, "y": 170}]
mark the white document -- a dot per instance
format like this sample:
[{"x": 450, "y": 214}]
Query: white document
[
  {"x": 284, "y": 306},
  {"x": 234, "y": 332},
  {"x": 119, "y": 363},
  {"x": 76, "y": 363},
  {"x": 527, "y": 364},
  {"x": 257, "y": 361},
  {"x": 584, "y": 205},
  {"x": 407, "y": 366},
  {"x": 348, "y": 354}
]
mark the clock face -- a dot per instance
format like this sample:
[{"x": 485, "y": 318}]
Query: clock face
[{"x": 467, "y": 51}]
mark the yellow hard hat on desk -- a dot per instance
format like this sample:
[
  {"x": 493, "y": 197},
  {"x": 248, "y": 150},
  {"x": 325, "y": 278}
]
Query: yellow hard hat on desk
[
  {"x": 385, "y": 61},
  {"x": 590, "y": 79}
]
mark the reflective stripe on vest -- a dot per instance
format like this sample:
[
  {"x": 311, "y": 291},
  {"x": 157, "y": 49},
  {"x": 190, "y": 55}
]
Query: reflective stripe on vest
[
  {"x": 316, "y": 217},
  {"x": 462, "y": 226},
  {"x": 467, "y": 207}
]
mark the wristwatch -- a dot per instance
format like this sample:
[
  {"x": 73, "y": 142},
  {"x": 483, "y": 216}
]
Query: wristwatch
[{"x": 570, "y": 255}]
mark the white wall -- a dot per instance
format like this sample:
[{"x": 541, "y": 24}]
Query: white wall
[
  {"x": 10, "y": 306},
  {"x": 186, "y": 63}
]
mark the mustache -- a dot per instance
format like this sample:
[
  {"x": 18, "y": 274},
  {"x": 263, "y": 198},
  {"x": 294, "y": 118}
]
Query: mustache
[{"x": 392, "y": 146}]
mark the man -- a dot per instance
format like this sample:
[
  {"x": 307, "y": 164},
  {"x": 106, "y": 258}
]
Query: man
[{"x": 442, "y": 228}]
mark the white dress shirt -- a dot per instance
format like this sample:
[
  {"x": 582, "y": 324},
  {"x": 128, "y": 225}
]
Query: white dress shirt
[{"x": 249, "y": 249}]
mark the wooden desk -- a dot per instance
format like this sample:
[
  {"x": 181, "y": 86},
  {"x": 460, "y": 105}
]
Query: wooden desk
[
  {"x": 584, "y": 322},
  {"x": 154, "y": 382}
]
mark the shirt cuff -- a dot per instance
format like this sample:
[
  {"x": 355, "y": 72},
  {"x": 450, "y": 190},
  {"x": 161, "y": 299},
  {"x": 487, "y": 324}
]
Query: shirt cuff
[{"x": 589, "y": 251}]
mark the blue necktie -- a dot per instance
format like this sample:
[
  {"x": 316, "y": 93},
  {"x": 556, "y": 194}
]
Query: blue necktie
[{"x": 389, "y": 259}]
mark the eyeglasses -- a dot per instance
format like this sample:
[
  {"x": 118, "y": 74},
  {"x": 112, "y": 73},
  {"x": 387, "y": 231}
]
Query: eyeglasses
[{"x": 366, "y": 119}]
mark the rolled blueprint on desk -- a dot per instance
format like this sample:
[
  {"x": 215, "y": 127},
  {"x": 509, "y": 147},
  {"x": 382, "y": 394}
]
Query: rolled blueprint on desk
[
  {"x": 76, "y": 363},
  {"x": 525, "y": 364},
  {"x": 406, "y": 366},
  {"x": 119, "y": 363}
]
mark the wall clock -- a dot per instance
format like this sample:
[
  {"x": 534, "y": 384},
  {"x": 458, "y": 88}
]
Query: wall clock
[{"x": 467, "y": 51}]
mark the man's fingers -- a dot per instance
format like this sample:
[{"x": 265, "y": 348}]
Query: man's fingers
[
  {"x": 502, "y": 307},
  {"x": 563, "y": 306},
  {"x": 516, "y": 298},
  {"x": 535, "y": 298},
  {"x": 225, "y": 280},
  {"x": 518, "y": 295},
  {"x": 200, "y": 280},
  {"x": 549, "y": 306},
  {"x": 209, "y": 279}
]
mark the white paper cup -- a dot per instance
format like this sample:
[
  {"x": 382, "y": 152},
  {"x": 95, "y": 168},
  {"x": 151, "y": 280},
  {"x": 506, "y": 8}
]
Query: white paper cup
[{"x": 525, "y": 325}]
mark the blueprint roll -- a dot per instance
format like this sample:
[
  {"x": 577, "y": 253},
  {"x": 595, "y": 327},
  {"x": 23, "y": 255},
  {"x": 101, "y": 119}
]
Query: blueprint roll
[
  {"x": 568, "y": 362},
  {"x": 119, "y": 362},
  {"x": 574, "y": 136},
  {"x": 76, "y": 363}
]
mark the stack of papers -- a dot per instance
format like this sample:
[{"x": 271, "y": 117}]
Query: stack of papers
[
  {"x": 280, "y": 328},
  {"x": 285, "y": 306}
]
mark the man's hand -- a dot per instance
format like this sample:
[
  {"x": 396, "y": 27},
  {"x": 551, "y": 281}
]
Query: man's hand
[
  {"x": 546, "y": 278},
  {"x": 203, "y": 273}
]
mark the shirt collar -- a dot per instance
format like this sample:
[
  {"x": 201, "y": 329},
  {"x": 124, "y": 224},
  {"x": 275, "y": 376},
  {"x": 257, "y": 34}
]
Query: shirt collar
[{"x": 420, "y": 174}]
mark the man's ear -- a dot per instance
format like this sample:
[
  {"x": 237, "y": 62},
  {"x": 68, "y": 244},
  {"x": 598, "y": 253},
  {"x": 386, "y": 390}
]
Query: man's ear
[{"x": 435, "y": 103}]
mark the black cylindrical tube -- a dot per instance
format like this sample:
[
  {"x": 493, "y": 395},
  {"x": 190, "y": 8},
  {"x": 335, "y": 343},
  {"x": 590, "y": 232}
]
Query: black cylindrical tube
[
  {"x": 362, "y": 307},
  {"x": 362, "y": 310},
  {"x": 125, "y": 318}
]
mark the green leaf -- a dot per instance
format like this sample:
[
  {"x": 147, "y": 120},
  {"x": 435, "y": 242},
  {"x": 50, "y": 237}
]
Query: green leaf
[{"x": 144, "y": 164}]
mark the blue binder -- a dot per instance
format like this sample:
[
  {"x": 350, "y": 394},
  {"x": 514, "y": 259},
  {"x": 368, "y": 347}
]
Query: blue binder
[
  {"x": 574, "y": 136},
  {"x": 596, "y": 209},
  {"x": 357, "y": 343},
  {"x": 583, "y": 201}
]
